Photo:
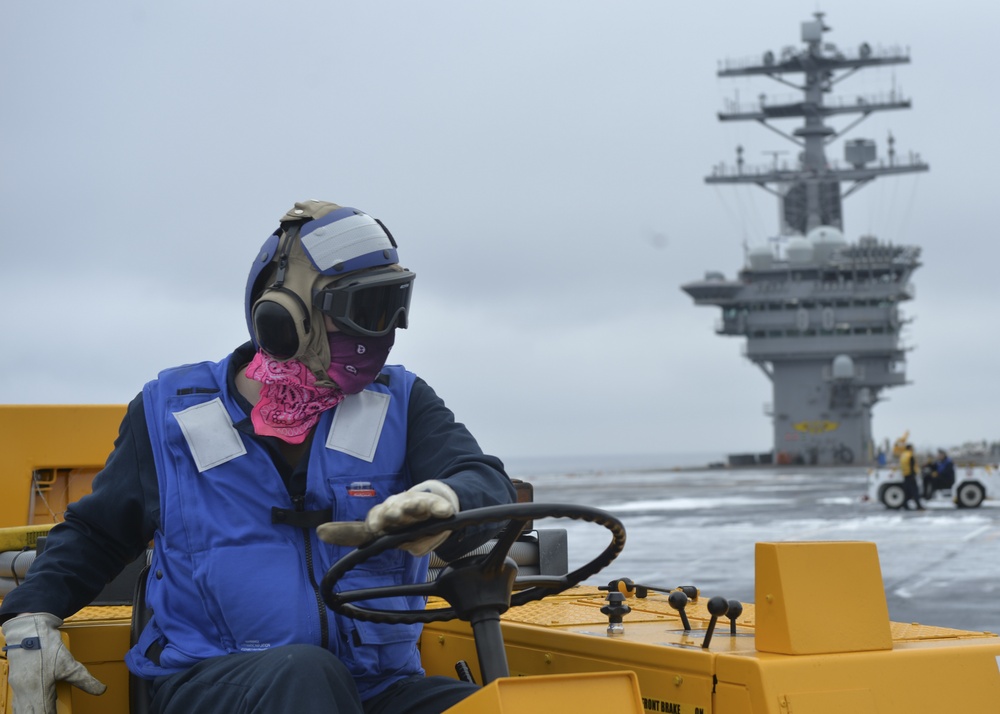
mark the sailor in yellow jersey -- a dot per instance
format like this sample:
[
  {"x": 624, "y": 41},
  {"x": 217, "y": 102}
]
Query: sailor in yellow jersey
[{"x": 908, "y": 467}]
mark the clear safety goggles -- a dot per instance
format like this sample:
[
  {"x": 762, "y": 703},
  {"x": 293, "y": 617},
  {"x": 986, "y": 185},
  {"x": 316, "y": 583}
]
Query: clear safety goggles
[{"x": 371, "y": 303}]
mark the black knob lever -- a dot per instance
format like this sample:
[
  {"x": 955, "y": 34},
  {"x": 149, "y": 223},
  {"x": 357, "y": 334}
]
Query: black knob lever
[
  {"x": 717, "y": 606},
  {"x": 678, "y": 600},
  {"x": 734, "y": 610},
  {"x": 690, "y": 590}
]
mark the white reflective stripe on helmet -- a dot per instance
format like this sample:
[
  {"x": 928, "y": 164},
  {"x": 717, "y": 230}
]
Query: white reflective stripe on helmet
[{"x": 343, "y": 240}]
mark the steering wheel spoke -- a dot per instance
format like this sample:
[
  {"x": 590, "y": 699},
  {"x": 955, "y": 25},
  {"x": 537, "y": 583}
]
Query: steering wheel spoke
[
  {"x": 548, "y": 582},
  {"x": 387, "y": 591},
  {"x": 505, "y": 541}
]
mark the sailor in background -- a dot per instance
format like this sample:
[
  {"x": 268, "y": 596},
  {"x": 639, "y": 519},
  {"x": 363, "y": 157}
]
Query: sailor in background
[
  {"x": 908, "y": 467},
  {"x": 940, "y": 476},
  {"x": 230, "y": 467}
]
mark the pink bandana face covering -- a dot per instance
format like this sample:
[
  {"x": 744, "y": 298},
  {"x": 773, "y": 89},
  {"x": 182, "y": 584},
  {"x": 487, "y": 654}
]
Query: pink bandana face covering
[{"x": 290, "y": 404}]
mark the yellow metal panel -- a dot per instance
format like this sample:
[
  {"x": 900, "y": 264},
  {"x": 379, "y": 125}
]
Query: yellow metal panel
[
  {"x": 730, "y": 699},
  {"x": 577, "y": 693},
  {"x": 674, "y": 672},
  {"x": 54, "y": 489},
  {"x": 46, "y": 437},
  {"x": 819, "y": 597},
  {"x": 101, "y": 646},
  {"x": 913, "y": 677},
  {"x": 677, "y": 679},
  {"x": 4, "y": 688},
  {"x": 856, "y": 701}
]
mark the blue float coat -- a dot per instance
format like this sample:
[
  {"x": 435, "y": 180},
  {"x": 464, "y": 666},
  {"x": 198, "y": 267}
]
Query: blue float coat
[{"x": 108, "y": 529}]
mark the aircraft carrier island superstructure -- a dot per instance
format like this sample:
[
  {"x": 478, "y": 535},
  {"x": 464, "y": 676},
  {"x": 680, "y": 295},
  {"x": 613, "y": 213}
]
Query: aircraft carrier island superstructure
[{"x": 820, "y": 314}]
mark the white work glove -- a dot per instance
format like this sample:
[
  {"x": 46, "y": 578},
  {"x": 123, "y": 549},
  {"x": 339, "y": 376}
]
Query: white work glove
[
  {"x": 37, "y": 659},
  {"x": 428, "y": 499}
]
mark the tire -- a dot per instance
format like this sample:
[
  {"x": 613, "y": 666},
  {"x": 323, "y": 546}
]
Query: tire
[
  {"x": 892, "y": 496},
  {"x": 970, "y": 495}
]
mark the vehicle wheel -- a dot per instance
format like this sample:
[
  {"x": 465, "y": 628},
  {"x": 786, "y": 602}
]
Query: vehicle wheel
[
  {"x": 970, "y": 495},
  {"x": 892, "y": 496},
  {"x": 844, "y": 455}
]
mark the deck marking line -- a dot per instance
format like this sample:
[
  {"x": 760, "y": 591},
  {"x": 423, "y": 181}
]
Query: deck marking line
[{"x": 975, "y": 533}]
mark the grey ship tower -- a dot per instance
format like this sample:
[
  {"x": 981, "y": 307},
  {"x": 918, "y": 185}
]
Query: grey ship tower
[{"x": 821, "y": 315}]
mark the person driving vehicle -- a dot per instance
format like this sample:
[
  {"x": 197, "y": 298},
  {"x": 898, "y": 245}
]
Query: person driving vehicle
[{"x": 229, "y": 467}]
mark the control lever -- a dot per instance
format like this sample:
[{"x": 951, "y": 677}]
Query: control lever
[
  {"x": 690, "y": 590},
  {"x": 734, "y": 611},
  {"x": 625, "y": 587},
  {"x": 678, "y": 600},
  {"x": 616, "y": 609},
  {"x": 464, "y": 672},
  {"x": 633, "y": 589},
  {"x": 718, "y": 605}
]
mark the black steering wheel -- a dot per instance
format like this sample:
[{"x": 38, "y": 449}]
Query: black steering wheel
[
  {"x": 472, "y": 582},
  {"x": 477, "y": 588}
]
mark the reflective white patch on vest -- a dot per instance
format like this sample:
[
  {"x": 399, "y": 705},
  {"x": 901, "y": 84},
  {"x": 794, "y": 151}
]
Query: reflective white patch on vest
[
  {"x": 345, "y": 239},
  {"x": 357, "y": 424},
  {"x": 210, "y": 434}
]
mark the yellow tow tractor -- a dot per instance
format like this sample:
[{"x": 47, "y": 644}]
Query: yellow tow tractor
[{"x": 818, "y": 640}]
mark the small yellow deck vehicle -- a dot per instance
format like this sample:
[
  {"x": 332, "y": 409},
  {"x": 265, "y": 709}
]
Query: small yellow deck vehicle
[{"x": 818, "y": 639}]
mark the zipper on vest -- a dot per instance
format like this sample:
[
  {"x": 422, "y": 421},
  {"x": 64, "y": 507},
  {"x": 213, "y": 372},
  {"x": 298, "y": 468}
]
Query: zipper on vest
[{"x": 324, "y": 625}]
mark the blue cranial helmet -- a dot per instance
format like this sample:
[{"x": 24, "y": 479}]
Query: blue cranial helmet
[{"x": 338, "y": 260}]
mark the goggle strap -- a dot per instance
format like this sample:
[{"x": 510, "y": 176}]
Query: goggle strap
[
  {"x": 391, "y": 239},
  {"x": 284, "y": 248}
]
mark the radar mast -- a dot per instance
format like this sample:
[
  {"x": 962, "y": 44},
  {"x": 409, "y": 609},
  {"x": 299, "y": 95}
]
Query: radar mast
[{"x": 821, "y": 316}]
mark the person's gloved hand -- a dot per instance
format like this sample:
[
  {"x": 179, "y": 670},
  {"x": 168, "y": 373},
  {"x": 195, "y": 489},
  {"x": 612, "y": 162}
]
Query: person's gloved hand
[
  {"x": 37, "y": 659},
  {"x": 428, "y": 499}
]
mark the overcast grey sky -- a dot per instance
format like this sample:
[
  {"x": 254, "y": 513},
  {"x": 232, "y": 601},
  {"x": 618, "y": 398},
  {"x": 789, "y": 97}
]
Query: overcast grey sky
[{"x": 541, "y": 165}]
